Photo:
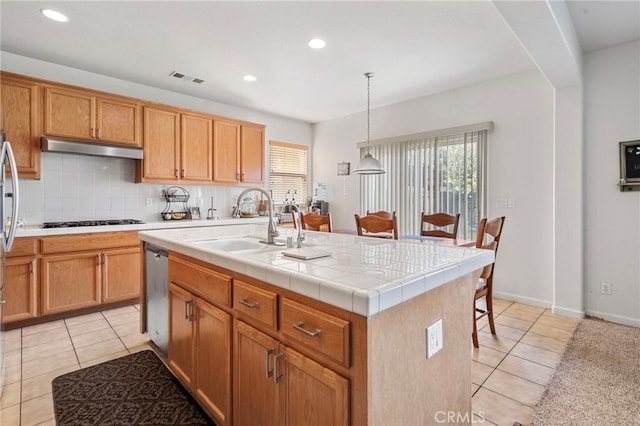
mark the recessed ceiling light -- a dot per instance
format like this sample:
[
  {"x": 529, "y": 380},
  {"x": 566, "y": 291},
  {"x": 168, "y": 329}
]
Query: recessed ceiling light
[
  {"x": 317, "y": 43},
  {"x": 54, "y": 15},
  {"x": 249, "y": 77}
]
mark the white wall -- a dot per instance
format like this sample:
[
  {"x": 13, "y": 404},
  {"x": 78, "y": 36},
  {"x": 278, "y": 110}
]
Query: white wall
[
  {"x": 520, "y": 167},
  {"x": 76, "y": 187},
  {"x": 612, "y": 218}
]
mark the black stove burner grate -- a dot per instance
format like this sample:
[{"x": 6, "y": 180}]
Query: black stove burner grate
[{"x": 91, "y": 223}]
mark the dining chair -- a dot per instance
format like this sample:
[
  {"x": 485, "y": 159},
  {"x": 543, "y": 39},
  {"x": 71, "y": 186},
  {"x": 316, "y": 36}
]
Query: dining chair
[
  {"x": 383, "y": 214},
  {"x": 489, "y": 233},
  {"x": 437, "y": 223},
  {"x": 314, "y": 221},
  {"x": 373, "y": 225}
]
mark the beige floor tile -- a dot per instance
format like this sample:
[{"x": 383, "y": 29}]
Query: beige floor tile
[
  {"x": 124, "y": 318},
  {"x": 13, "y": 344},
  {"x": 530, "y": 308},
  {"x": 48, "y": 336},
  {"x": 98, "y": 350},
  {"x": 554, "y": 333},
  {"x": 94, "y": 337},
  {"x": 37, "y": 410},
  {"x": 496, "y": 342},
  {"x": 505, "y": 331},
  {"x": 529, "y": 370},
  {"x": 41, "y": 385},
  {"x": 519, "y": 313},
  {"x": 500, "y": 305},
  {"x": 514, "y": 387},
  {"x": 10, "y": 336},
  {"x": 108, "y": 314},
  {"x": 12, "y": 358},
  {"x": 477, "y": 420},
  {"x": 39, "y": 328},
  {"x": 479, "y": 372},
  {"x": 105, "y": 358},
  {"x": 557, "y": 321},
  {"x": 45, "y": 350},
  {"x": 543, "y": 342},
  {"x": 13, "y": 374},
  {"x": 513, "y": 322},
  {"x": 474, "y": 388},
  {"x": 133, "y": 340},
  {"x": 88, "y": 327},
  {"x": 50, "y": 422},
  {"x": 81, "y": 319},
  {"x": 127, "y": 328},
  {"x": 499, "y": 409},
  {"x": 10, "y": 395},
  {"x": 535, "y": 354},
  {"x": 10, "y": 415},
  {"x": 487, "y": 356},
  {"x": 54, "y": 362}
]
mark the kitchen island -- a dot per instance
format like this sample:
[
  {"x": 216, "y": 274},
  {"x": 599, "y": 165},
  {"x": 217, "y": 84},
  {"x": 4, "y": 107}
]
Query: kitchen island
[{"x": 339, "y": 339}]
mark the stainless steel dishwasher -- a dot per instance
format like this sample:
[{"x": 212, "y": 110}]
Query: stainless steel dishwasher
[{"x": 156, "y": 263}]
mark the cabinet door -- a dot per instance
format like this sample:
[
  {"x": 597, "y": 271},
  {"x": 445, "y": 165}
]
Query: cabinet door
[
  {"x": 120, "y": 274},
  {"x": 255, "y": 395},
  {"x": 252, "y": 154},
  {"x": 161, "y": 145},
  {"x": 69, "y": 113},
  {"x": 314, "y": 395},
  {"x": 21, "y": 116},
  {"x": 213, "y": 360},
  {"x": 196, "y": 148},
  {"x": 21, "y": 289},
  {"x": 70, "y": 281},
  {"x": 226, "y": 151},
  {"x": 118, "y": 121},
  {"x": 181, "y": 334}
]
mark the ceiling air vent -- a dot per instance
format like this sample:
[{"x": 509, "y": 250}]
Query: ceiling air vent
[{"x": 186, "y": 77}]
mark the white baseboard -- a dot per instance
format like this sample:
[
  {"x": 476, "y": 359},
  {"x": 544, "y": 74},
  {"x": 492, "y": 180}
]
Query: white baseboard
[
  {"x": 568, "y": 312},
  {"x": 633, "y": 322},
  {"x": 521, "y": 299}
]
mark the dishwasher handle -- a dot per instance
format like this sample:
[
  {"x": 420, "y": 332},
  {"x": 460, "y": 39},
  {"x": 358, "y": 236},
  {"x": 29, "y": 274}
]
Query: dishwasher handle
[{"x": 157, "y": 251}]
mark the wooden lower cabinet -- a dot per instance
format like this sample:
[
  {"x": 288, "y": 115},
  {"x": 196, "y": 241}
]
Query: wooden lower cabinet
[
  {"x": 21, "y": 289},
  {"x": 120, "y": 274},
  {"x": 200, "y": 350},
  {"x": 280, "y": 386}
]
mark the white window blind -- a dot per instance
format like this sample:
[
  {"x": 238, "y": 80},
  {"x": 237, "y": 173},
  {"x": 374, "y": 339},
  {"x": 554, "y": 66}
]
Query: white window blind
[
  {"x": 431, "y": 174},
  {"x": 288, "y": 172}
]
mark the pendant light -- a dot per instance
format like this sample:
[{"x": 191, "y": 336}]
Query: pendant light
[{"x": 368, "y": 165}]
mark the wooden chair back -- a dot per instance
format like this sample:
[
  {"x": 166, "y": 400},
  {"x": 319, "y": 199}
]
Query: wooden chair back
[
  {"x": 371, "y": 225},
  {"x": 383, "y": 214},
  {"x": 314, "y": 221},
  {"x": 436, "y": 221}
]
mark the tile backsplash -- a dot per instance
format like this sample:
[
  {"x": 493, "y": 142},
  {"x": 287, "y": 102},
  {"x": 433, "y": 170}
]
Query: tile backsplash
[{"x": 79, "y": 187}]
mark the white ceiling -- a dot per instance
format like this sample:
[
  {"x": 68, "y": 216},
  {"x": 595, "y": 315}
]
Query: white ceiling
[{"x": 414, "y": 48}]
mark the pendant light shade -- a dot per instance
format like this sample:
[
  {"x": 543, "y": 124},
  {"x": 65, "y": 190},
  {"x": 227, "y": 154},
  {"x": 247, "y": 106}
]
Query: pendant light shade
[{"x": 368, "y": 165}]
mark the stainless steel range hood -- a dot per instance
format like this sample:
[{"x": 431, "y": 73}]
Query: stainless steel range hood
[{"x": 73, "y": 146}]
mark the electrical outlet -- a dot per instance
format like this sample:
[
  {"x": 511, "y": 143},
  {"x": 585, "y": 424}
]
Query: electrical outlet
[
  {"x": 511, "y": 203},
  {"x": 149, "y": 201},
  {"x": 605, "y": 288},
  {"x": 434, "y": 338}
]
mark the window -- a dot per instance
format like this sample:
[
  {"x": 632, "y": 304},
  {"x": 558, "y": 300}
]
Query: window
[
  {"x": 427, "y": 173},
  {"x": 288, "y": 172}
]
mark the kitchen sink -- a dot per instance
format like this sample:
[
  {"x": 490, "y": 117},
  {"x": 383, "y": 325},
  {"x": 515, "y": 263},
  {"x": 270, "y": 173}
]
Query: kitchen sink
[{"x": 237, "y": 244}]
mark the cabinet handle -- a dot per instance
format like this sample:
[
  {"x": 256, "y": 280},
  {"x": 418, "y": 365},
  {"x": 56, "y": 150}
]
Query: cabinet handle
[
  {"x": 192, "y": 315},
  {"x": 184, "y": 175},
  {"x": 242, "y": 176},
  {"x": 93, "y": 133},
  {"x": 99, "y": 133},
  {"x": 98, "y": 259},
  {"x": 177, "y": 173},
  {"x": 238, "y": 177},
  {"x": 187, "y": 305},
  {"x": 246, "y": 303},
  {"x": 31, "y": 266},
  {"x": 277, "y": 379},
  {"x": 267, "y": 354},
  {"x": 300, "y": 327},
  {"x": 103, "y": 258}
]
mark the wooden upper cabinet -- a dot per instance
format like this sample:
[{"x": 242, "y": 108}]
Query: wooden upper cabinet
[
  {"x": 252, "y": 154},
  {"x": 21, "y": 115},
  {"x": 226, "y": 151},
  {"x": 161, "y": 145},
  {"x": 81, "y": 114},
  {"x": 196, "y": 148}
]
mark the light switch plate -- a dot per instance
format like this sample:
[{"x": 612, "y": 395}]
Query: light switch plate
[{"x": 434, "y": 338}]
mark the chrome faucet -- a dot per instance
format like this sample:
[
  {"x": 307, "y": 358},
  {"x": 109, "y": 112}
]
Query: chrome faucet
[
  {"x": 296, "y": 217},
  {"x": 272, "y": 232}
]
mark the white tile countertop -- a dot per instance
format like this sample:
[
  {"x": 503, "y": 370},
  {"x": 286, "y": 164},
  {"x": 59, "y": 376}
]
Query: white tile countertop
[
  {"x": 364, "y": 275},
  {"x": 38, "y": 231}
]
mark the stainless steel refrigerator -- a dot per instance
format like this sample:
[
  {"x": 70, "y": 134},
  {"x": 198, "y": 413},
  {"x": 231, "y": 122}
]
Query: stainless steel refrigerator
[{"x": 9, "y": 195}]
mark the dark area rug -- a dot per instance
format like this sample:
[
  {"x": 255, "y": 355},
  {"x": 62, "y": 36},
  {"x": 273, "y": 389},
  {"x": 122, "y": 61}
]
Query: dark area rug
[{"x": 133, "y": 390}]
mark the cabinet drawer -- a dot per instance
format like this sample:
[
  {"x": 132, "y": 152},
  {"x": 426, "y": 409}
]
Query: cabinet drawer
[
  {"x": 318, "y": 330},
  {"x": 256, "y": 303},
  {"x": 24, "y": 246},
  {"x": 95, "y": 241},
  {"x": 210, "y": 285}
]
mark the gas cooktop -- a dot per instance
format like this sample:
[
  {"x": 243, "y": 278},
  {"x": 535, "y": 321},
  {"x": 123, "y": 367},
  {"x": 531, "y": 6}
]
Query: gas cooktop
[{"x": 91, "y": 223}]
